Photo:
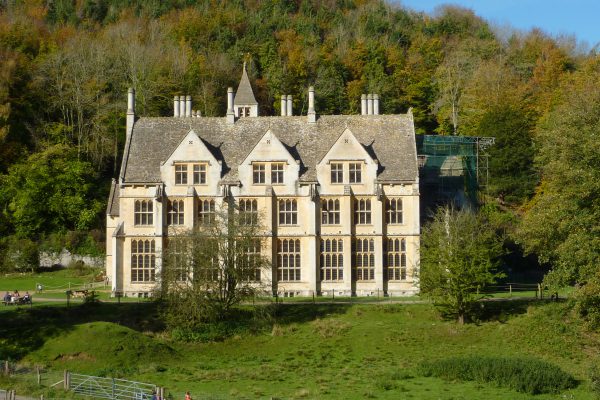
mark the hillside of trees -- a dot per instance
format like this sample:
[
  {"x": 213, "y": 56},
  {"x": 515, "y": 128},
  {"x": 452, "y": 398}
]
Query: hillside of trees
[{"x": 65, "y": 67}]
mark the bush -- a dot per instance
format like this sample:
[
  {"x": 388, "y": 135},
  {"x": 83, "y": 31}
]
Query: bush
[
  {"x": 525, "y": 375},
  {"x": 22, "y": 255}
]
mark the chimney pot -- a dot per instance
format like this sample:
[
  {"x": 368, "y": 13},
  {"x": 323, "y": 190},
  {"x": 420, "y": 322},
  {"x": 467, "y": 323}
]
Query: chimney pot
[
  {"x": 312, "y": 117},
  {"x": 376, "y": 104},
  {"x": 283, "y": 105},
  {"x": 369, "y": 104},
  {"x": 176, "y": 106},
  {"x": 289, "y": 105},
  {"x": 131, "y": 101},
  {"x": 188, "y": 106},
  {"x": 230, "y": 113},
  {"x": 182, "y": 106},
  {"x": 363, "y": 104}
]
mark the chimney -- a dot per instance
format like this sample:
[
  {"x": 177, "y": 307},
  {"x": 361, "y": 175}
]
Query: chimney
[
  {"x": 188, "y": 106},
  {"x": 176, "y": 106},
  {"x": 130, "y": 110},
  {"x": 182, "y": 106},
  {"x": 283, "y": 105},
  {"x": 230, "y": 113},
  {"x": 369, "y": 104},
  {"x": 376, "y": 104},
  {"x": 312, "y": 116},
  {"x": 363, "y": 104},
  {"x": 289, "y": 105}
]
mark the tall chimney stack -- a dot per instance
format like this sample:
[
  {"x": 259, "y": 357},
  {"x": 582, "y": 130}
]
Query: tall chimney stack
[
  {"x": 182, "y": 106},
  {"x": 312, "y": 115},
  {"x": 376, "y": 104},
  {"x": 370, "y": 104},
  {"x": 230, "y": 113},
  {"x": 289, "y": 105},
  {"x": 176, "y": 106},
  {"x": 130, "y": 111},
  {"x": 363, "y": 104}
]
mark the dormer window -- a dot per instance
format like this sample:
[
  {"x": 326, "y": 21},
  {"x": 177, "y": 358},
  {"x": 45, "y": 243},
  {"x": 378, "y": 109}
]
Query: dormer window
[
  {"x": 276, "y": 173},
  {"x": 337, "y": 173},
  {"x": 181, "y": 171},
  {"x": 199, "y": 174},
  {"x": 355, "y": 172},
  {"x": 258, "y": 173}
]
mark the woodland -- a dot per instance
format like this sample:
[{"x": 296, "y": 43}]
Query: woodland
[{"x": 65, "y": 67}]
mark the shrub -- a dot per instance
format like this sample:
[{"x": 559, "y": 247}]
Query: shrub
[{"x": 526, "y": 375}]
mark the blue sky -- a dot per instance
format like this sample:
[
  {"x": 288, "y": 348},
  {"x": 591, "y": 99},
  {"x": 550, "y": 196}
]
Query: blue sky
[{"x": 573, "y": 17}]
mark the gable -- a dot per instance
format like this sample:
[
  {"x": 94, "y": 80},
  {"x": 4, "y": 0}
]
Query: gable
[
  {"x": 191, "y": 149},
  {"x": 347, "y": 147},
  {"x": 269, "y": 148}
]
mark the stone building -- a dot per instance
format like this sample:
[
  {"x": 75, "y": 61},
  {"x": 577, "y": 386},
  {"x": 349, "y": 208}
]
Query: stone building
[{"x": 338, "y": 194}]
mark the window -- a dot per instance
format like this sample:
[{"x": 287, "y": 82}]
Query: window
[
  {"x": 288, "y": 212},
  {"x": 362, "y": 211},
  {"x": 199, "y": 174},
  {"x": 206, "y": 261},
  {"x": 330, "y": 211},
  {"x": 396, "y": 259},
  {"x": 332, "y": 259},
  {"x": 288, "y": 259},
  {"x": 143, "y": 261},
  {"x": 248, "y": 212},
  {"x": 143, "y": 214},
  {"x": 251, "y": 260},
  {"x": 181, "y": 174},
  {"x": 276, "y": 173},
  {"x": 364, "y": 259},
  {"x": 206, "y": 211},
  {"x": 393, "y": 209},
  {"x": 243, "y": 112},
  {"x": 176, "y": 253},
  {"x": 258, "y": 173},
  {"x": 355, "y": 172},
  {"x": 337, "y": 173},
  {"x": 175, "y": 212}
]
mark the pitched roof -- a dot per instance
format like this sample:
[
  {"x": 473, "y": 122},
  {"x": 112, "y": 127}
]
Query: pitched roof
[
  {"x": 244, "y": 94},
  {"x": 388, "y": 138},
  {"x": 112, "y": 208}
]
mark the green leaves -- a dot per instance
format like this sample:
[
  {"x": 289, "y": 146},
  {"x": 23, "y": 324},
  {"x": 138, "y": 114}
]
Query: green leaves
[{"x": 459, "y": 256}]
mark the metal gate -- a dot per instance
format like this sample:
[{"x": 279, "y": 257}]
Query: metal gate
[{"x": 109, "y": 388}]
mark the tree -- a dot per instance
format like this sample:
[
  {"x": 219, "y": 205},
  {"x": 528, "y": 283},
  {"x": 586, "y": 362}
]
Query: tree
[
  {"x": 214, "y": 267},
  {"x": 459, "y": 257}
]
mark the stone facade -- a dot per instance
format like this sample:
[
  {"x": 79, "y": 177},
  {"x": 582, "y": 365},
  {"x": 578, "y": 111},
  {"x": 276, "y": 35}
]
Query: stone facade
[{"x": 338, "y": 195}]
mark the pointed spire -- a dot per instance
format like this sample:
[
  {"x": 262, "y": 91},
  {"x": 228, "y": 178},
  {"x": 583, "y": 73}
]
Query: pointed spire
[{"x": 244, "y": 96}]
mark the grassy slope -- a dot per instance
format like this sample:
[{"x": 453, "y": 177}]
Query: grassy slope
[
  {"x": 322, "y": 351},
  {"x": 55, "y": 280}
]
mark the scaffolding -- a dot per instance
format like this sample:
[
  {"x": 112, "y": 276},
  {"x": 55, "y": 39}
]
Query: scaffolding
[{"x": 453, "y": 168}]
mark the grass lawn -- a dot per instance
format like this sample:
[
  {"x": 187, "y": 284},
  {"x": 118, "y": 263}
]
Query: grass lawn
[
  {"x": 56, "y": 280},
  {"x": 325, "y": 351}
]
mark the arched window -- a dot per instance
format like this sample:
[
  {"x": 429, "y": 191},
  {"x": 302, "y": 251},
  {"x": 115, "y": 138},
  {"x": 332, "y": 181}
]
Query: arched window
[
  {"x": 248, "y": 212},
  {"x": 393, "y": 207},
  {"x": 330, "y": 211},
  {"x": 206, "y": 211},
  {"x": 396, "y": 259},
  {"x": 288, "y": 212},
  {"x": 364, "y": 259},
  {"x": 143, "y": 260},
  {"x": 175, "y": 212},
  {"x": 143, "y": 212},
  {"x": 362, "y": 211},
  {"x": 288, "y": 259},
  {"x": 332, "y": 259}
]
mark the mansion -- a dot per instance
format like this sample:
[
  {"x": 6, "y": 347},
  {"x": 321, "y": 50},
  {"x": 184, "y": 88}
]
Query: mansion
[{"x": 337, "y": 195}]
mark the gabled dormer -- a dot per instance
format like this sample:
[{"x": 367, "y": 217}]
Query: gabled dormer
[
  {"x": 191, "y": 164},
  {"x": 347, "y": 162},
  {"x": 269, "y": 163},
  {"x": 244, "y": 103}
]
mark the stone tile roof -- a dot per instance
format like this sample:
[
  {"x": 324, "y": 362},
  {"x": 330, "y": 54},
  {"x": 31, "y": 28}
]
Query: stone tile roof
[
  {"x": 388, "y": 138},
  {"x": 112, "y": 208},
  {"x": 244, "y": 94}
]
